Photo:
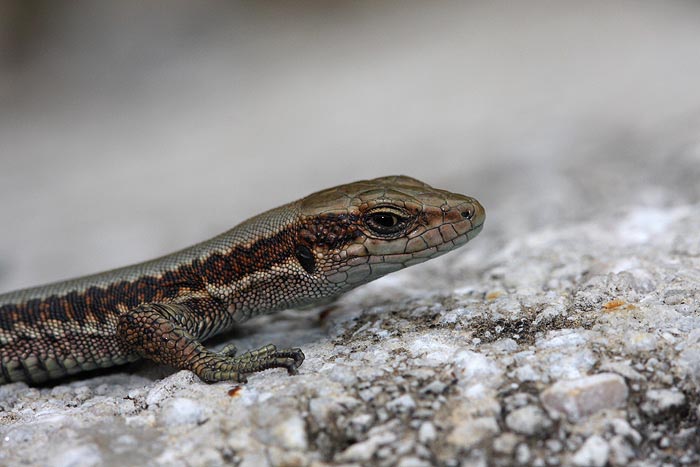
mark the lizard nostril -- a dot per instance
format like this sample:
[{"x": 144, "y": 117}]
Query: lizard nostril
[{"x": 468, "y": 213}]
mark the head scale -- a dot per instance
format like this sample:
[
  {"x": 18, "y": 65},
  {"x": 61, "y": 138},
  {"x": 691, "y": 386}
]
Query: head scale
[{"x": 355, "y": 233}]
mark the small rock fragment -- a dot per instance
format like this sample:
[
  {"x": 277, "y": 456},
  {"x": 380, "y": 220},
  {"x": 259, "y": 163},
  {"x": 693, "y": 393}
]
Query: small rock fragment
[
  {"x": 436, "y": 387},
  {"x": 622, "y": 427},
  {"x": 401, "y": 404},
  {"x": 624, "y": 370},
  {"x": 290, "y": 434},
  {"x": 529, "y": 420},
  {"x": 523, "y": 454},
  {"x": 662, "y": 402},
  {"x": 579, "y": 398},
  {"x": 413, "y": 462},
  {"x": 427, "y": 433},
  {"x": 505, "y": 443},
  {"x": 86, "y": 455},
  {"x": 620, "y": 451},
  {"x": 593, "y": 453},
  {"x": 182, "y": 411},
  {"x": 472, "y": 431}
]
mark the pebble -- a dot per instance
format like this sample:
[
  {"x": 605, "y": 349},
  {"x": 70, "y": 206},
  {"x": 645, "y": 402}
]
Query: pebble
[
  {"x": 624, "y": 370},
  {"x": 593, "y": 453},
  {"x": 376, "y": 438},
  {"x": 579, "y": 398},
  {"x": 620, "y": 451},
  {"x": 86, "y": 455},
  {"x": 467, "y": 433},
  {"x": 662, "y": 402},
  {"x": 401, "y": 404},
  {"x": 413, "y": 462},
  {"x": 359, "y": 423},
  {"x": 427, "y": 433},
  {"x": 554, "y": 445},
  {"x": 436, "y": 387},
  {"x": 290, "y": 433},
  {"x": 182, "y": 411},
  {"x": 529, "y": 420},
  {"x": 522, "y": 454},
  {"x": 622, "y": 427},
  {"x": 505, "y": 443},
  {"x": 526, "y": 373},
  {"x": 689, "y": 362},
  {"x": 326, "y": 409}
]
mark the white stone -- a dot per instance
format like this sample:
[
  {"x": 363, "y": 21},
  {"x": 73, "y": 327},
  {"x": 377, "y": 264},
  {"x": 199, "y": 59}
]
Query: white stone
[
  {"x": 529, "y": 420},
  {"x": 593, "y": 453},
  {"x": 660, "y": 402},
  {"x": 87, "y": 455},
  {"x": 427, "y": 433},
  {"x": 469, "y": 432},
  {"x": 413, "y": 462},
  {"x": 290, "y": 433},
  {"x": 402, "y": 404},
  {"x": 182, "y": 411}
]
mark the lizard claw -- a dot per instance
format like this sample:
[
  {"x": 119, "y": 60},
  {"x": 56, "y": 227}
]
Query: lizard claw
[{"x": 224, "y": 366}]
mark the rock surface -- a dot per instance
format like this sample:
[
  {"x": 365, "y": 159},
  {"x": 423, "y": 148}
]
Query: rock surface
[
  {"x": 562, "y": 345},
  {"x": 567, "y": 333}
]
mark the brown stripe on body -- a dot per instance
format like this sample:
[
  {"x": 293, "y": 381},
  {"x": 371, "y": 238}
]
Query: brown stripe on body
[
  {"x": 99, "y": 303},
  {"x": 83, "y": 324}
]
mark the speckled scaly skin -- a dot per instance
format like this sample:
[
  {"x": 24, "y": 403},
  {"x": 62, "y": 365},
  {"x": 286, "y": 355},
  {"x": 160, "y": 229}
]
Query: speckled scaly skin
[{"x": 303, "y": 253}]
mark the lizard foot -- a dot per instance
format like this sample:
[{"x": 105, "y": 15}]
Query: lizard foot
[{"x": 225, "y": 366}]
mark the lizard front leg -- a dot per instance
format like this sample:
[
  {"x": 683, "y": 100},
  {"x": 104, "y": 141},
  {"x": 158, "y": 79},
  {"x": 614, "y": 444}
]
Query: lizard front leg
[{"x": 169, "y": 333}]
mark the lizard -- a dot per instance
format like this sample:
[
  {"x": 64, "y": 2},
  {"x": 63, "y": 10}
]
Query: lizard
[{"x": 302, "y": 254}]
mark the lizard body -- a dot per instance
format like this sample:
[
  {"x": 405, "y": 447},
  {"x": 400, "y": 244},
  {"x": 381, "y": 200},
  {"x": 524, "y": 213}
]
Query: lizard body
[{"x": 299, "y": 254}]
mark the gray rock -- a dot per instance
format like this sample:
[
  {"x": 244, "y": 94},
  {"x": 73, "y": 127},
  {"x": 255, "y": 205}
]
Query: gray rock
[
  {"x": 577, "y": 399},
  {"x": 529, "y": 420}
]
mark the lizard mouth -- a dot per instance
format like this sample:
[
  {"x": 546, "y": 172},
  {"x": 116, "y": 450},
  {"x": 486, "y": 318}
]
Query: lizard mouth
[{"x": 433, "y": 251}]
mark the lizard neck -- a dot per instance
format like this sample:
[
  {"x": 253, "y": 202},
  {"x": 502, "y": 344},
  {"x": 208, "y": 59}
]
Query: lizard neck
[{"x": 253, "y": 268}]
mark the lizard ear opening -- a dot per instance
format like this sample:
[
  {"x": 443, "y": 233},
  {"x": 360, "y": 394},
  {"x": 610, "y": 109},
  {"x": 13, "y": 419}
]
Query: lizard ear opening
[{"x": 306, "y": 258}]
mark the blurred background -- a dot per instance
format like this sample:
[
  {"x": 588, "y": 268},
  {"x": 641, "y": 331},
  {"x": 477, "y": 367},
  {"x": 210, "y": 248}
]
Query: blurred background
[{"x": 130, "y": 129}]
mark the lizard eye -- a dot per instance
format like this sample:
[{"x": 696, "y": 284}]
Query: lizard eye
[
  {"x": 385, "y": 222},
  {"x": 305, "y": 258}
]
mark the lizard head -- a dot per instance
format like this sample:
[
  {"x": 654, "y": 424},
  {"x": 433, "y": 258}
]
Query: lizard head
[{"x": 358, "y": 232}]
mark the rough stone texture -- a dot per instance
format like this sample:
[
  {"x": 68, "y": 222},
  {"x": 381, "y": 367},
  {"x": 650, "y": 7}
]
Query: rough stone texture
[
  {"x": 529, "y": 420},
  {"x": 663, "y": 402},
  {"x": 593, "y": 453},
  {"x": 582, "y": 397},
  {"x": 581, "y": 297}
]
